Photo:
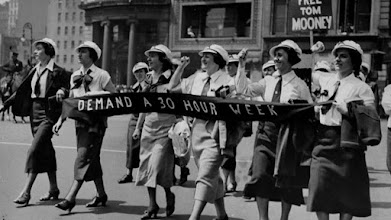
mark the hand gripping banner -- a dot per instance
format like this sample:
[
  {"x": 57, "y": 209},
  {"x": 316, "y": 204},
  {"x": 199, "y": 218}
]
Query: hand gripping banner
[{"x": 210, "y": 108}]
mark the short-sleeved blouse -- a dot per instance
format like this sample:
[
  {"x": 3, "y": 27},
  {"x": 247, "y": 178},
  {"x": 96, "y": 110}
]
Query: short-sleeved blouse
[
  {"x": 194, "y": 84},
  {"x": 350, "y": 89},
  {"x": 100, "y": 78}
]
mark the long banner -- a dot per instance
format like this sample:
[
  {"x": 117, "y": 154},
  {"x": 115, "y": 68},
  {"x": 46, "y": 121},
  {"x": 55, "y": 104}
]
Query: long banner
[{"x": 181, "y": 104}]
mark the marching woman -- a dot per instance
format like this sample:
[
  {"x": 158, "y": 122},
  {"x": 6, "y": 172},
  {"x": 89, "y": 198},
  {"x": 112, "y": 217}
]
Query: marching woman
[
  {"x": 156, "y": 151},
  {"x": 282, "y": 87},
  {"x": 45, "y": 80},
  {"x": 339, "y": 181},
  {"x": 206, "y": 150},
  {"x": 133, "y": 143},
  {"x": 89, "y": 79}
]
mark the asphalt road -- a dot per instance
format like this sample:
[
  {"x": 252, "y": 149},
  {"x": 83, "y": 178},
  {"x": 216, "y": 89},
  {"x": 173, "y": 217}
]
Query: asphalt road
[{"x": 127, "y": 201}]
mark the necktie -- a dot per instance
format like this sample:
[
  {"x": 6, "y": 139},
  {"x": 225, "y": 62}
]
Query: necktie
[
  {"x": 277, "y": 90},
  {"x": 206, "y": 87},
  {"x": 86, "y": 79},
  {"x": 326, "y": 108},
  {"x": 37, "y": 87}
]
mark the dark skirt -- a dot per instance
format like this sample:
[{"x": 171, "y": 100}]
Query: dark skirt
[
  {"x": 41, "y": 156},
  {"x": 339, "y": 181},
  {"x": 133, "y": 146},
  {"x": 262, "y": 183},
  {"x": 87, "y": 164}
]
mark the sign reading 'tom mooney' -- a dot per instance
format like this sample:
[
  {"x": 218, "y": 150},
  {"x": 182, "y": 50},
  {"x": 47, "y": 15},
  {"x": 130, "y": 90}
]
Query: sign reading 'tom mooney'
[{"x": 311, "y": 15}]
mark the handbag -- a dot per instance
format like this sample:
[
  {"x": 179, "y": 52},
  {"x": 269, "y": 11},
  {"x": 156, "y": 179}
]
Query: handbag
[
  {"x": 179, "y": 133},
  {"x": 367, "y": 122}
]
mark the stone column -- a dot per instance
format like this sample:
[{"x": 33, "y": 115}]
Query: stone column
[
  {"x": 107, "y": 45},
  {"x": 131, "y": 60}
]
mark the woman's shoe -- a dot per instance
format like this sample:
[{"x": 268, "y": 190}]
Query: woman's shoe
[
  {"x": 151, "y": 213},
  {"x": 65, "y": 205},
  {"x": 23, "y": 199},
  {"x": 50, "y": 195},
  {"x": 231, "y": 187},
  {"x": 170, "y": 205},
  {"x": 96, "y": 200},
  {"x": 225, "y": 218},
  {"x": 184, "y": 173}
]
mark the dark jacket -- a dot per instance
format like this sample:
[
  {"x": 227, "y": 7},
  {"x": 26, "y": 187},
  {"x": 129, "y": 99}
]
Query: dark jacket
[
  {"x": 361, "y": 127},
  {"x": 11, "y": 67},
  {"x": 56, "y": 79}
]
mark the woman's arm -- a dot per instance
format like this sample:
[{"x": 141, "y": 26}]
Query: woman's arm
[
  {"x": 174, "y": 84},
  {"x": 110, "y": 87},
  {"x": 139, "y": 125}
]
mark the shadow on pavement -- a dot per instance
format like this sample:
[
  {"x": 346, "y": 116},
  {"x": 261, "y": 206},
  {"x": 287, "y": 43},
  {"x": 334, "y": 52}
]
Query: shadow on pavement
[
  {"x": 381, "y": 205},
  {"x": 185, "y": 217},
  {"x": 385, "y": 185}
]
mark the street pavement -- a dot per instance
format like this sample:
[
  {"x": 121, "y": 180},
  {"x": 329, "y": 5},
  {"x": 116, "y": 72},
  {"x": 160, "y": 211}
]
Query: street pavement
[{"x": 127, "y": 201}]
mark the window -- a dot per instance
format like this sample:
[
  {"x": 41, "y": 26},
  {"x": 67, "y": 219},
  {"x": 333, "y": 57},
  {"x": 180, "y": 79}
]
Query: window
[
  {"x": 59, "y": 4},
  {"x": 65, "y": 59},
  {"x": 59, "y": 17},
  {"x": 74, "y": 3},
  {"x": 57, "y": 58},
  {"x": 66, "y": 16},
  {"x": 66, "y": 30},
  {"x": 355, "y": 16},
  {"x": 58, "y": 30},
  {"x": 74, "y": 16},
  {"x": 81, "y": 30},
  {"x": 279, "y": 16},
  {"x": 65, "y": 44},
  {"x": 73, "y": 30},
  {"x": 58, "y": 44},
  {"x": 73, "y": 44},
  {"x": 80, "y": 42},
  {"x": 216, "y": 21},
  {"x": 81, "y": 16},
  {"x": 72, "y": 58},
  {"x": 66, "y": 3}
]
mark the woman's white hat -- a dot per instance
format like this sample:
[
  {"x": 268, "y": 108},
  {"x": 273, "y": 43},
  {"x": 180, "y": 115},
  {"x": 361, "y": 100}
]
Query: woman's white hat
[
  {"x": 347, "y": 44},
  {"x": 268, "y": 64},
  {"x": 139, "y": 66},
  {"x": 160, "y": 48},
  {"x": 323, "y": 64},
  {"x": 233, "y": 58},
  {"x": 286, "y": 44},
  {"x": 47, "y": 41},
  {"x": 216, "y": 49},
  {"x": 365, "y": 65},
  {"x": 92, "y": 45}
]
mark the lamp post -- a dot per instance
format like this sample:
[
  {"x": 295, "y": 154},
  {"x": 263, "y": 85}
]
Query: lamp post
[{"x": 29, "y": 26}]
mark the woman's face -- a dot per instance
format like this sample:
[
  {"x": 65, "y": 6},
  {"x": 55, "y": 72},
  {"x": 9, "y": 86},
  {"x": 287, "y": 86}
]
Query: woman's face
[
  {"x": 269, "y": 71},
  {"x": 343, "y": 61},
  {"x": 84, "y": 56},
  {"x": 281, "y": 60},
  {"x": 207, "y": 62},
  {"x": 153, "y": 61},
  {"x": 140, "y": 75},
  {"x": 40, "y": 54},
  {"x": 232, "y": 69}
]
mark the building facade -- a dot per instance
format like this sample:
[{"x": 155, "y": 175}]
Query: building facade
[
  {"x": 65, "y": 25},
  {"x": 125, "y": 29}
]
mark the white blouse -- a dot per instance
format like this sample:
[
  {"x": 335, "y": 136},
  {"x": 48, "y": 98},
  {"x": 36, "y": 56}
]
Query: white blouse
[{"x": 350, "y": 89}]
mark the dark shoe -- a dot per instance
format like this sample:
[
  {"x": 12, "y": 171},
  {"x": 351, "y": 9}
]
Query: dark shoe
[
  {"x": 127, "y": 178},
  {"x": 225, "y": 218},
  {"x": 150, "y": 213},
  {"x": 65, "y": 205},
  {"x": 231, "y": 187},
  {"x": 184, "y": 173},
  {"x": 50, "y": 195},
  {"x": 170, "y": 205},
  {"x": 96, "y": 200},
  {"x": 23, "y": 199}
]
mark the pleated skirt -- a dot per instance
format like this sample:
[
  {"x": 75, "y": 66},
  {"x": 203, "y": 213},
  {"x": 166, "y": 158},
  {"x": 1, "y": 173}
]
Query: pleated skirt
[
  {"x": 339, "y": 181},
  {"x": 87, "y": 165},
  {"x": 41, "y": 156},
  {"x": 262, "y": 183},
  {"x": 207, "y": 156}
]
